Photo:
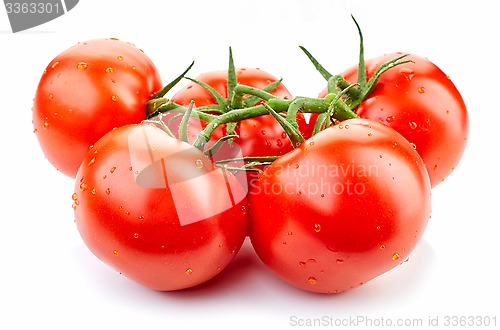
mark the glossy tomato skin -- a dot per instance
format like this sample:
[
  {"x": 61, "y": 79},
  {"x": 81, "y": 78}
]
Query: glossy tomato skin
[
  {"x": 86, "y": 91},
  {"x": 167, "y": 227},
  {"x": 348, "y": 205},
  {"x": 420, "y": 102}
]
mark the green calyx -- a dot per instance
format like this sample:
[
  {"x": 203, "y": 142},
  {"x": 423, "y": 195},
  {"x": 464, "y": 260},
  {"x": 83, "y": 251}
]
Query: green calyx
[{"x": 354, "y": 94}]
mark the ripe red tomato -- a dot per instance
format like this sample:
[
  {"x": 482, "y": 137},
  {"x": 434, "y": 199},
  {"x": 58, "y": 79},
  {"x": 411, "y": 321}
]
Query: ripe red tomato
[
  {"x": 86, "y": 91},
  {"x": 259, "y": 136},
  {"x": 157, "y": 210},
  {"x": 346, "y": 206},
  {"x": 420, "y": 102}
]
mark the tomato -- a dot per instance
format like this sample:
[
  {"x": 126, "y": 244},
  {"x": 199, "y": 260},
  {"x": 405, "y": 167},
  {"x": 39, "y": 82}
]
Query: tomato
[
  {"x": 86, "y": 91},
  {"x": 349, "y": 204},
  {"x": 421, "y": 102},
  {"x": 259, "y": 136},
  {"x": 157, "y": 210}
]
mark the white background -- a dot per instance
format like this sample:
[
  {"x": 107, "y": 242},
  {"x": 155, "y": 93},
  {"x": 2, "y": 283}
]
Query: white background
[{"x": 48, "y": 278}]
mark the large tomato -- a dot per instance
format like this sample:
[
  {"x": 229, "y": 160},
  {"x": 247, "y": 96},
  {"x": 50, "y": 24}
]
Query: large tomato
[
  {"x": 86, "y": 91},
  {"x": 157, "y": 210},
  {"x": 421, "y": 102},
  {"x": 346, "y": 206}
]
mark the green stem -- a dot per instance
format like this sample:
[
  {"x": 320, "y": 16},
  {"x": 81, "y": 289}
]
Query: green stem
[
  {"x": 293, "y": 132},
  {"x": 232, "y": 79},
  {"x": 183, "y": 127},
  {"x": 368, "y": 88},
  {"x": 304, "y": 104},
  {"x": 153, "y": 105},
  {"x": 162, "y": 92},
  {"x": 264, "y": 159},
  {"x": 169, "y": 107},
  {"x": 362, "y": 80},
  {"x": 327, "y": 75},
  {"x": 219, "y": 99},
  {"x": 253, "y": 100},
  {"x": 232, "y": 116},
  {"x": 241, "y": 90}
]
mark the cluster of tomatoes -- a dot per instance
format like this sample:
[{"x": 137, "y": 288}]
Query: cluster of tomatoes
[{"x": 332, "y": 190}]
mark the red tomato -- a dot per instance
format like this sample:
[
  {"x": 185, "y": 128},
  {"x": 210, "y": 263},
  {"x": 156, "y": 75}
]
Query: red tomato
[
  {"x": 260, "y": 136},
  {"x": 346, "y": 206},
  {"x": 420, "y": 102},
  {"x": 157, "y": 210},
  {"x": 86, "y": 91}
]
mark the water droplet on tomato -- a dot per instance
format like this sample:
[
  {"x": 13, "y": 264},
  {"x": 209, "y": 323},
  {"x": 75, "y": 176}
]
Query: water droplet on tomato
[
  {"x": 435, "y": 168},
  {"x": 312, "y": 280},
  {"x": 295, "y": 166},
  {"x": 115, "y": 253},
  {"x": 317, "y": 227},
  {"x": 407, "y": 73},
  {"x": 382, "y": 247},
  {"x": 421, "y": 90},
  {"x": 74, "y": 197},
  {"x": 389, "y": 119},
  {"x": 340, "y": 261},
  {"x": 108, "y": 191},
  {"x": 93, "y": 191},
  {"x": 311, "y": 143},
  {"x": 199, "y": 163},
  {"x": 92, "y": 161},
  {"x": 413, "y": 124},
  {"x": 136, "y": 235},
  {"x": 113, "y": 169},
  {"x": 109, "y": 70},
  {"x": 82, "y": 66},
  {"x": 114, "y": 98},
  {"x": 263, "y": 132},
  {"x": 279, "y": 143},
  {"x": 54, "y": 65},
  {"x": 331, "y": 249},
  {"x": 120, "y": 58},
  {"x": 302, "y": 263},
  {"x": 290, "y": 233},
  {"x": 284, "y": 135},
  {"x": 395, "y": 257},
  {"x": 83, "y": 186},
  {"x": 413, "y": 145},
  {"x": 51, "y": 96},
  {"x": 45, "y": 125}
]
